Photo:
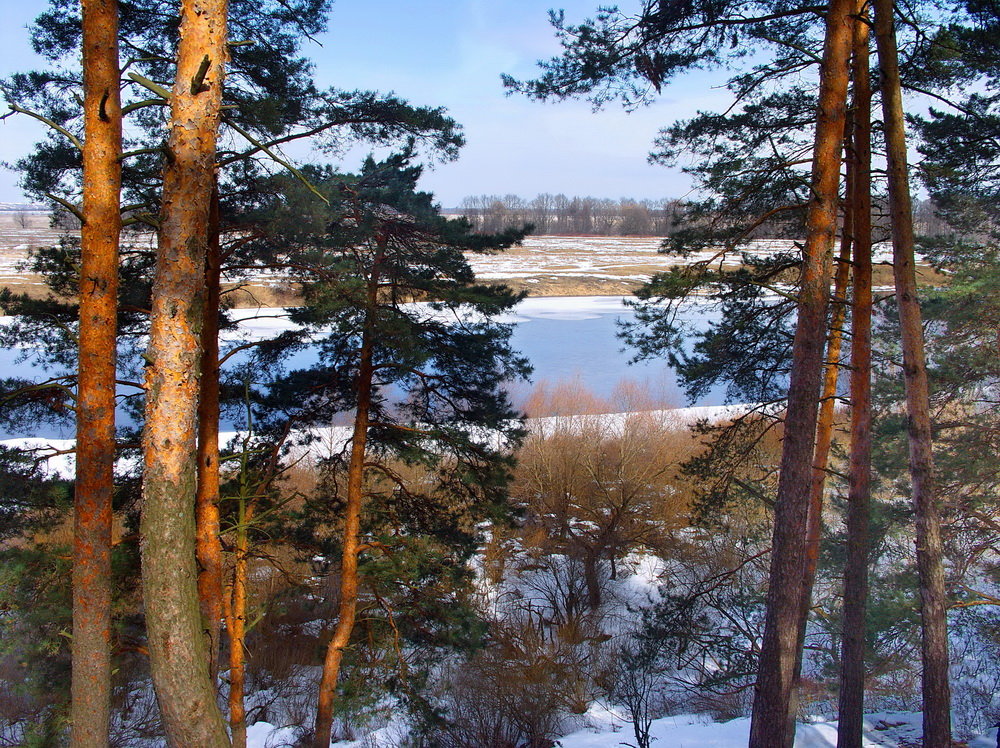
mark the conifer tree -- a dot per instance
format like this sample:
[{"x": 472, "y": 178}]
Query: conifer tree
[
  {"x": 271, "y": 100},
  {"x": 655, "y": 52},
  {"x": 418, "y": 359},
  {"x": 930, "y": 553},
  {"x": 95, "y": 399},
  {"x": 177, "y": 647},
  {"x": 850, "y": 708}
]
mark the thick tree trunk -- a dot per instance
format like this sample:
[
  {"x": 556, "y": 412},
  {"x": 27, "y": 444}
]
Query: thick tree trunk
[
  {"x": 177, "y": 643},
  {"x": 852, "y": 660},
  {"x": 209, "y": 544},
  {"x": 349, "y": 580},
  {"x": 933, "y": 600},
  {"x": 91, "y": 684},
  {"x": 775, "y": 677}
]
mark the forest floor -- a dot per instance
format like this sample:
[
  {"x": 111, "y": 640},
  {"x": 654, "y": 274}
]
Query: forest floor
[
  {"x": 608, "y": 729},
  {"x": 542, "y": 266}
]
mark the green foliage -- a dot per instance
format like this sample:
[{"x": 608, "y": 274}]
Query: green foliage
[
  {"x": 36, "y": 619},
  {"x": 618, "y": 56},
  {"x": 382, "y": 270},
  {"x": 270, "y": 99},
  {"x": 30, "y": 501}
]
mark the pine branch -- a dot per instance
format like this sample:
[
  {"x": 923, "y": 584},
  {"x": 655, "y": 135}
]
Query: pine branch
[{"x": 51, "y": 123}]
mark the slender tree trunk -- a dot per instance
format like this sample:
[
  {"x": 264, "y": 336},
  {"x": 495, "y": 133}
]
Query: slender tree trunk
[
  {"x": 91, "y": 685},
  {"x": 852, "y": 661},
  {"x": 824, "y": 442},
  {"x": 592, "y": 578},
  {"x": 933, "y": 600},
  {"x": 209, "y": 544},
  {"x": 349, "y": 580},
  {"x": 827, "y": 412},
  {"x": 236, "y": 626},
  {"x": 177, "y": 644},
  {"x": 775, "y": 677}
]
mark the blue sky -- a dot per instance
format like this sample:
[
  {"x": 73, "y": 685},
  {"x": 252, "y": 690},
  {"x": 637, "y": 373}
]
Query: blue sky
[{"x": 451, "y": 53}]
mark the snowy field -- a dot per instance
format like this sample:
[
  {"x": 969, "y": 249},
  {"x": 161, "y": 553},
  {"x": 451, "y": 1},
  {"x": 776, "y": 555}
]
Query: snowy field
[
  {"x": 606, "y": 727},
  {"x": 544, "y": 265}
]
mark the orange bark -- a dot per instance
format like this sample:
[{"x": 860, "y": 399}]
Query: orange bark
[
  {"x": 349, "y": 581},
  {"x": 776, "y": 672},
  {"x": 824, "y": 427},
  {"x": 177, "y": 644},
  {"x": 930, "y": 552},
  {"x": 91, "y": 685},
  {"x": 824, "y": 435},
  {"x": 852, "y": 678},
  {"x": 236, "y": 619},
  {"x": 208, "y": 542}
]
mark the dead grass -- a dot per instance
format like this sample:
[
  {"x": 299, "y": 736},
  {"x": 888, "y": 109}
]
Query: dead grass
[
  {"x": 544, "y": 266},
  {"x": 251, "y": 295}
]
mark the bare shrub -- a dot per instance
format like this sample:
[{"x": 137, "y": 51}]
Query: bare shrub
[
  {"x": 600, "y": 486},
  {"x": 636, "y": 682},
  {"x": 516, "y": 692}
]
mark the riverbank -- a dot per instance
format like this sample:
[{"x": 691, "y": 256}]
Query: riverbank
[{"x": 542, "y": 266}]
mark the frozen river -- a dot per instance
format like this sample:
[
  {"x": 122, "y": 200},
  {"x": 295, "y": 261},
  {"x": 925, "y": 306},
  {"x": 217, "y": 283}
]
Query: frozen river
[
  {"x": 574, "y": 339},
  {"x": 569, "y": 340}
]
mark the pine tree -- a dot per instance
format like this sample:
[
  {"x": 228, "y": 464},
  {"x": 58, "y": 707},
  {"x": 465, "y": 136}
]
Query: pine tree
[
  {"x": 415, "y": 354},
  {"x": 178, "y": 656},
  {"x": 930, "y": 554},
  {"x": 272, "y": 100},
  {"x": 655, "y": 53},
  {"x": 850, "y": 708},
  {"x": 95, "y": 408}
]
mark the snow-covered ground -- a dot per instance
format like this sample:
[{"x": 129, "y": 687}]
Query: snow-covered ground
[
  {"x": 887, "y": 730},
  {"x": 608, "y": 728},
  {"x": 56, "y": 455},
  {"x": 542, "y": 262},
  {"x": 633, "y": 258}
]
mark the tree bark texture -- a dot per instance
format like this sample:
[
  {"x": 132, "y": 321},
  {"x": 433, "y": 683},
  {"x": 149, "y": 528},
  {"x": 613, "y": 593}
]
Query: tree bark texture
[
  {"x": 95, "y": 436},
  {"x": 775, "y": 676},
  {"x": 209, "y": 543},
  {"x": 349, "y": 580},
  {"x": 236, "y": 622},
  {"x": 827, "y": 412},
  {"x": 177, "y": 641},
  {"x": 852, "y": 658},
  {"x": 824, "y": 442},
  {"x": 933, "y": 599}
]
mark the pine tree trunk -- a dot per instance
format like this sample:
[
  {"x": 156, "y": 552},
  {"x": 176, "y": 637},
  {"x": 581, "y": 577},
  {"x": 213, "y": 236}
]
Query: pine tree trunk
[
  {"x": 177, "y": 642},
  {"x": 933, "y": 599},
  {"x": 91, "y": 646},
  {"x": 349, "y": 580},
  {"x": 209, "y": 544},
  {"x": 236, "y": 626},
  {"x": 824, "y": 442},
  {"x": 827, "y": 413},
  {"x": 776, "y": 670},
  {"x": 852, "y": 660}
]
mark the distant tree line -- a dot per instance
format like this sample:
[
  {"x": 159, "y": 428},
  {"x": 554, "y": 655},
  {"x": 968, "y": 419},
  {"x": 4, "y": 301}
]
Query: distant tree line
[
  {"x": 573, "y": 216},
  {"x": 559, "y": 215}
]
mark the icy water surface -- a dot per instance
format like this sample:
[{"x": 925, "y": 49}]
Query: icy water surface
[{"x": 569, "y": 340}]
